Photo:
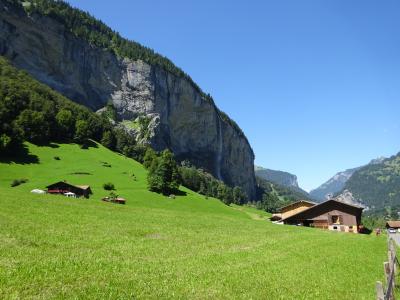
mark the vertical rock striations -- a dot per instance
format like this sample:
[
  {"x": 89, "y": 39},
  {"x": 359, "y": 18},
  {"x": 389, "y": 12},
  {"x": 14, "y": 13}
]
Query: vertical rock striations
[{"x": 181, "y": 118}]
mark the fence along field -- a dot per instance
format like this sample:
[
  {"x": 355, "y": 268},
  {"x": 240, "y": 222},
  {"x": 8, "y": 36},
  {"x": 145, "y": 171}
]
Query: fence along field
[{"x": 390, "y": 268}]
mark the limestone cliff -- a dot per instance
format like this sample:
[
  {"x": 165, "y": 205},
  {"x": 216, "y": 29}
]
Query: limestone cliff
[{"x": 182, "y": 118}]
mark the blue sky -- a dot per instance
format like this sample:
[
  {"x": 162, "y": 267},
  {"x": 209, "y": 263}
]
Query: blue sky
[{"x": 314, "y": 84}]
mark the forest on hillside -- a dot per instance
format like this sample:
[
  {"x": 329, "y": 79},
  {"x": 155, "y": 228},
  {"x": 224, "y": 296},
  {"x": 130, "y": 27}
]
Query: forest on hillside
[{"x": 377, "y": 185}]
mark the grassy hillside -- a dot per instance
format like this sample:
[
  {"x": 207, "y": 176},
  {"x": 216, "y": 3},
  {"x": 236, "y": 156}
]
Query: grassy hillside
[{"x": 157, "y": 247}]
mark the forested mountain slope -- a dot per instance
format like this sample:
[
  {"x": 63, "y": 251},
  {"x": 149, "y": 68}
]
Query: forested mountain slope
[
  {"x": 377, "y": 185},
  {"x": 93, "y": 65}
]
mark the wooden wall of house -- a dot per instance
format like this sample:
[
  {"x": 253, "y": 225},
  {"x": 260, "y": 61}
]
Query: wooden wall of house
[{"x": 321, "y": 217}]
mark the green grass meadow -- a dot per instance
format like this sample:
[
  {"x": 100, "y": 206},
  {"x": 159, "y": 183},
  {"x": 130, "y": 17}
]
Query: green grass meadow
[{"x": 155, "y": 247}]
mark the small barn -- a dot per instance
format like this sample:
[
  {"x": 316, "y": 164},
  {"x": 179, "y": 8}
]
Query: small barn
[
  {"x": 332, "y": 215},
  {"x": 63, "y": 187}
]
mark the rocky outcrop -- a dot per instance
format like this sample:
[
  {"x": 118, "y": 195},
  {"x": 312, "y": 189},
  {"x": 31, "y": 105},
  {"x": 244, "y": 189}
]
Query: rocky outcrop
[
  {"x": 347, "y": 197},
  {"x": 182, "y": 119}
]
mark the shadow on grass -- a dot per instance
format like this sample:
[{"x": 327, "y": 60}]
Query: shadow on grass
[
  {"x": 85, "y": 145},
  {"x": 180, "y": 193},
  {"x": 89, "y": 144},
  {"x": 47, "y": 144},
  {"x": 20, "y": 156}
]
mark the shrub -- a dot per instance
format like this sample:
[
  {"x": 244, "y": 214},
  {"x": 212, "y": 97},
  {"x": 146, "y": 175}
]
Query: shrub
[
  {"x": 57, "y": 158},
  {"x": 109, "y": 186},
  {"x": 17, "y": 182}
]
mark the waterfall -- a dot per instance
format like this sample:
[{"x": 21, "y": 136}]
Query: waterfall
[{"x": 219, "y": 151}]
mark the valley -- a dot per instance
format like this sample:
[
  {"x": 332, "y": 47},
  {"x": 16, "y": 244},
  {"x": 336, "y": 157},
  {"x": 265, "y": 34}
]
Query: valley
[{"x": 158, "y": 247}]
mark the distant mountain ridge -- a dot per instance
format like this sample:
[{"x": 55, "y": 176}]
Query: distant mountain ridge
[
  {"x": 279, "y": 177},
  {"x": 284, "y": 179},
  {"x": 337, "y": 183},
  {"x": 377, "y": 184}
]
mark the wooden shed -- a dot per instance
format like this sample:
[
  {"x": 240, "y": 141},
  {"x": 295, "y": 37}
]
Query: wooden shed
[
  {"x": 63, "y": 187},
  {"x": 331, "y": 214}
]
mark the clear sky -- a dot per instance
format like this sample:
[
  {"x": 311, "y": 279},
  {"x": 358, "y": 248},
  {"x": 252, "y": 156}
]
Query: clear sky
[{"x": 314, "y": 84}]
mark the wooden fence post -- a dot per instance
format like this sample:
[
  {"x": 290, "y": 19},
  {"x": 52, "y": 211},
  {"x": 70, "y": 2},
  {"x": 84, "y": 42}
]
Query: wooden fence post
[{"x": 379, "y": 291}]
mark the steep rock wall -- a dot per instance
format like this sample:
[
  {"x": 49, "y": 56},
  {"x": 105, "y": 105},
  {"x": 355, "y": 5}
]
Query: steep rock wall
[{"x": 188, "y": 124}]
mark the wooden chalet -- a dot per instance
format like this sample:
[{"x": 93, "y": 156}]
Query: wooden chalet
[
  {"x": 331, "y": 215},
  {"x": 63, "y": 187}
]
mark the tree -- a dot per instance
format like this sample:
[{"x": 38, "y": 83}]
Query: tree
[
  {"x": 224, "y": 193},
  {"x": 238, "y": 196},
  {"x": 108, "y": 140},
  {"x": 5, "y": 142},
  {"x": 65, "y": 123},
  {"x": 82, "y": 132},
  {"x": 163, "y": 176},
  {"x": 108, "y": 186},
  {"x": 148, "y": 158},
  {"x": 33, "y": 126}
]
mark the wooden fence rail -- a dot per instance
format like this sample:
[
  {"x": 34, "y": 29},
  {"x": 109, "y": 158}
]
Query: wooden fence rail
[{"x": 390, "y": 268}]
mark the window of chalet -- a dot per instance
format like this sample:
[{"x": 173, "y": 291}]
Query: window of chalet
[{"x": 335, "y": 219}]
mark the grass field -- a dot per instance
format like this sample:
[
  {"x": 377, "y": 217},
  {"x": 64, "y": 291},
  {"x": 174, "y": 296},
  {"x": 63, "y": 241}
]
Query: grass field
[{"x": 157, "y": 247}]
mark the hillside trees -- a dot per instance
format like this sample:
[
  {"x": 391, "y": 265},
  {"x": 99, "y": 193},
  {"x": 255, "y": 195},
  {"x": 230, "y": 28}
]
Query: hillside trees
[
  {"x": 163, "y": 176},
  {"x": 65, "y": 123},
  {"x": 205, "y": 184},
  {"x": 108, "y": 139},
  {"x": 149, "y": 157},
  {"x": 33, "y": 126},
  {"x": 82, "y": 132}
]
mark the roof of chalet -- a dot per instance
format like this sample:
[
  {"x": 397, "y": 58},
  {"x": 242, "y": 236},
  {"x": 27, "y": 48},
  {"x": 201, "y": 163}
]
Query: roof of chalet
[
  {"x": 324, "y": 203},
  {"x": 82, "y": 187},
  {"x": 393, "y": 224},
  {"x": 300, "y": 201}
]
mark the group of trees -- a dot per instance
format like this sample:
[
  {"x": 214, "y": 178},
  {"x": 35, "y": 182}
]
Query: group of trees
[
  {"x": 205, "y": 184},
  {"x": 33, "y": 112},
  {"x": 165, "y": 176}
]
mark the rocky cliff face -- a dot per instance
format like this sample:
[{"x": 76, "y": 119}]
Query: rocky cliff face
[{"x": 181, "y": 119}]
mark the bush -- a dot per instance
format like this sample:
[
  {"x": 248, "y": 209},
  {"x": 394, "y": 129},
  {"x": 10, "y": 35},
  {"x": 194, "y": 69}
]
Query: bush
[
  {"x": 17, "y": 182},
  {"x": 109, "y": 186},
  {"x": 57, "y": 158}
]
